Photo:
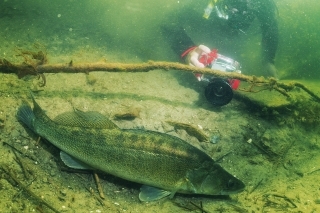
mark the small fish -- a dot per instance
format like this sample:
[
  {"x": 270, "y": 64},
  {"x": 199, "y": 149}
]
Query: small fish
[{"x": 164, "y": 164}]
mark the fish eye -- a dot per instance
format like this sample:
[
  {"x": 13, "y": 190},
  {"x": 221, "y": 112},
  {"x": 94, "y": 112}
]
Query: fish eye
[{"x": 230, "y": 184}]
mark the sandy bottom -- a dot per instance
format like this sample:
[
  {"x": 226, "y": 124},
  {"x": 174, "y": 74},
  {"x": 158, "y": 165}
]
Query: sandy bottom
[{"x": 283, "y": 176}]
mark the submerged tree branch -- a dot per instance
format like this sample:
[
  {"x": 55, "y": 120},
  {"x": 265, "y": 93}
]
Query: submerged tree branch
[{"x": 41, "y": 67}]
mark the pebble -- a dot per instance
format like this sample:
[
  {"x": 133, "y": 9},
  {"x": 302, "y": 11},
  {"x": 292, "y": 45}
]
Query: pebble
[
  {"x": 15, "y": 133},
  {"x": 63, "y": 192},
  {"x": 52, "y": 173},
  {"x": 215, "y": 139},
  {"x": 45, "y": 180},
  {"x": 24, "y": 142}
]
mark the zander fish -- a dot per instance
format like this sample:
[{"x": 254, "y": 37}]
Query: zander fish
[{"x": 164, "y": 164}]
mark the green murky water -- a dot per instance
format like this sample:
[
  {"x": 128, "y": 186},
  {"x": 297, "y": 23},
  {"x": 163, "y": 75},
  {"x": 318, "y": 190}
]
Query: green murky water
[{"x": 268, "y": 141}]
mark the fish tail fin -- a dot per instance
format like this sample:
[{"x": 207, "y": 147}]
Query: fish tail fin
[{"x": 26, "y": 115}]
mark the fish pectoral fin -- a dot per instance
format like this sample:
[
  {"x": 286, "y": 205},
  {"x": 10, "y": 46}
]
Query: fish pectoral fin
[
  {"x": 149, "y": 193},
  {"x": 72, "y": 162}
]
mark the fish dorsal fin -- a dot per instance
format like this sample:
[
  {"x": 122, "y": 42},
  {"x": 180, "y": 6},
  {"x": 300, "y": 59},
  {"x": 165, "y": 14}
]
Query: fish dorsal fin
[
  {"x": 72, "y": 162},
  {"x": 90, "y": 119},
  {"x": 149, "y": 193}
]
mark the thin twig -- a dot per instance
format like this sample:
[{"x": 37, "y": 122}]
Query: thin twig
[
  {"x": 238, "y": 208},
  {"x": 20, "y": 152},
  {"x": 316, "y": 170},
  {"x": 199, "y": 207},
  {"x": 24, "y": 168},
  {"x": 95, "y": 196},
  {"x": 38, "y": 141},
  {"x": 256, "y": 186},
  {"x": 285, "y": 198},
  {"x": 96, "y": 178},
  {"x": 25, "y": 188},
  {"x": 219, "y": 159}
]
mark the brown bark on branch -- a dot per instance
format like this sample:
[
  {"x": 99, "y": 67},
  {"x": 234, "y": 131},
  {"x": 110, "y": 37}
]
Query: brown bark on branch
[{"x": 39, "y": 68}]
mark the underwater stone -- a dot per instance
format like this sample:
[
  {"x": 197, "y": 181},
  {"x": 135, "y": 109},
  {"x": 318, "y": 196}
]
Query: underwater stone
[
  {"x": 215, "y": 139},
  {"x": 15, "y": 133}
]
